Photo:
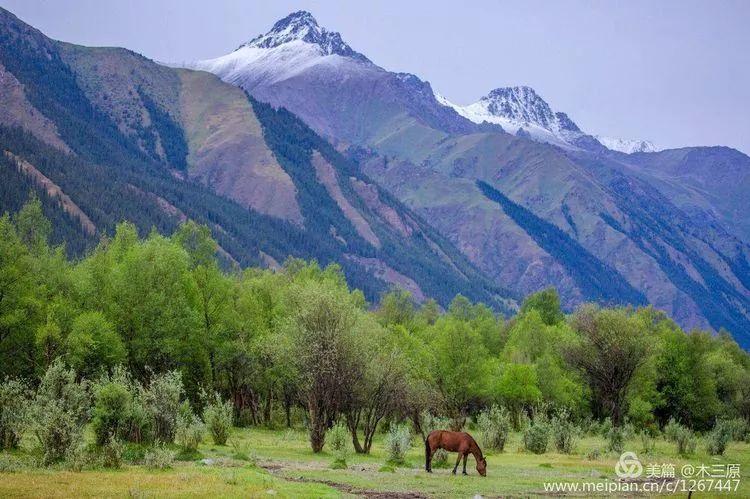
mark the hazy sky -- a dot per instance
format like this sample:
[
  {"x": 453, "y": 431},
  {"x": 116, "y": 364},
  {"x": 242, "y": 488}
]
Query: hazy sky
[{"x": 674, "y": 72}]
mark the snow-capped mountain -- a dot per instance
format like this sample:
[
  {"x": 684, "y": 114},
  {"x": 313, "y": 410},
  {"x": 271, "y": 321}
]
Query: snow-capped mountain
[
  {"x": 628, "y": 146},
  {"x": 520, "y": 110},
  {"x": 293, "y": 45},
  {"x": 338, "y": 81}
]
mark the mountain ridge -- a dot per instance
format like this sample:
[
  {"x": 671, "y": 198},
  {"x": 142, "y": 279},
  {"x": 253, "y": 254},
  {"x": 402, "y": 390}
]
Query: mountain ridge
[{"x": 433, "y": 161}]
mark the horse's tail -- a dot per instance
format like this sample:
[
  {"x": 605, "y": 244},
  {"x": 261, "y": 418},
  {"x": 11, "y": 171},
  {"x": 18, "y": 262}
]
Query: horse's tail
[{"x": 427, "y": 453}]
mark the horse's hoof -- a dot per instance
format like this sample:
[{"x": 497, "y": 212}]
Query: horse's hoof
[
  {"x": 453, "y": 472},
  {"x": 464, "y": 473}
]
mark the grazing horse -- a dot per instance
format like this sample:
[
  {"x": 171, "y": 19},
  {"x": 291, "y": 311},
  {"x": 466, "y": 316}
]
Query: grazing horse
[{"x": 454, "y": 441}]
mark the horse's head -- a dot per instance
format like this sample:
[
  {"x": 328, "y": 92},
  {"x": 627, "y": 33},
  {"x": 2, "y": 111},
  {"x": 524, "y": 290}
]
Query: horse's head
[{"x": 482, "y": 466}]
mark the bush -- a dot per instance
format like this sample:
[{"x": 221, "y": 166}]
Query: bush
[
  {"x": 78, "y": 457},
  {"x": 190, "y": 429},
  {"x": 738, "y": 429},
  {"x": 718, "y": 438},
  {"x": 112, "y": 453},
  {"x": 686, "y": 441},
  {"x": 564, "y": 432},
  {"x": 159, "y": 457},
  {"x": 14, "y": 406},
  {"x": 672, "y": 430},
  {"x": 217, "y": 415},
  {"x": 113, "y": 401},
  {"x": 59, "y": 412},
  {"x": 536, "y": 436},
  {"x": 648, "y": 444},
  {"x": 397, "y": 443},
  {"x": 494, "y": 426},
  {"x": 430, "y": 423},
  {"x": 338, "y": 439},
  {"x": 616, "y": 439},
  {"x": 162, "y": 402}
]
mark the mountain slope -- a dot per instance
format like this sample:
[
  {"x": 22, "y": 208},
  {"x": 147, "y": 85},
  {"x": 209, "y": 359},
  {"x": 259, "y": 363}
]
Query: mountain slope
[
  {"x": 431, "y": 154},
  {"x": 122, "y": 138}
]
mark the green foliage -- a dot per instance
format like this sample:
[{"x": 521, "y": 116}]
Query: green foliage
[
  {"x": 14, "y": 407},
  {"x": 547, "y": 304},
  {"x": 112, "y": 453},
  {"x": 190, "y": 429},
  {"x": 494, "y": 426},
  {"x": 217, "y": 415},
  {"x": 537, "y": 435},
  {"x": 683, "y": 436},
  {"x": 397, "y": 443},
  {"x": 93, "y": 343},
  {"x": 159, "y": 457},
  {"x": 338, "y": 440},
  {"x": 59, "y": 412},
  {"x": 113, "y": 403},
  {"x": 564, "y": 432},
  {"x": 718, "y": 438},
  {"x": 162, "y": 401}
]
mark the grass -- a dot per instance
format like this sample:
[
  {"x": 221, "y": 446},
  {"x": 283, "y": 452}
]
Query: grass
[{"x": 281, "y": 463}]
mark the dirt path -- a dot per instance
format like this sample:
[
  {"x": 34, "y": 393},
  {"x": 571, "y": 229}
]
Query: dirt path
[{"x": 276, "y": 469}]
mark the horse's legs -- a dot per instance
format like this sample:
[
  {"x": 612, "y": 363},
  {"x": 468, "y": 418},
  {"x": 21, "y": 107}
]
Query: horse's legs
[
  {"x": 465, "y": 456},
  {"x": 457, "y": 461},
  {"x": 428, "y": 466}
]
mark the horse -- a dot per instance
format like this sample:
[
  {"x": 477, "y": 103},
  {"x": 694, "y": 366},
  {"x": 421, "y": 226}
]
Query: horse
[{"x": 454, "y": 441}]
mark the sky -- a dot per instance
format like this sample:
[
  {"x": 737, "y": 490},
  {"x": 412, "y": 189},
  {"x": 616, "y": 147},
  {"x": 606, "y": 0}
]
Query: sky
[{"x": 673, "y": 72}]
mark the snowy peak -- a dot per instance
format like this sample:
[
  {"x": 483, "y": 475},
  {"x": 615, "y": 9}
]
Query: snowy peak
[
  {"x": 302, "y": 26},
  {"x": 628, "y": 146},
  {"x": 525, "y": 106}
]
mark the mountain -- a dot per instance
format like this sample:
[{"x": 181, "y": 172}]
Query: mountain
[
  {"x": 520, "y": 110},
  {"x": 527, "y": 196},
  {"x": 628, "y": 146},
  {"x": 103, "y": 135}
]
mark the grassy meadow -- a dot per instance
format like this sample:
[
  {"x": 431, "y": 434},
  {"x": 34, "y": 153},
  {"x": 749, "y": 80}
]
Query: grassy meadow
[{"x": 261, "y": 462}]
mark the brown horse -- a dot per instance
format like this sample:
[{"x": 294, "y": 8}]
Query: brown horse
[{"x": 454, "y": 441}]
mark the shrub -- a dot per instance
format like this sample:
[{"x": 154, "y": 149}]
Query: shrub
[
  {"x": 14, "y": 406},
  {"x": 648, "y": 443},
  {"x": 536, "y": 436},
  {"x": 159, "y": 457},
  {"x": 397, "y": 443},
  {"x": 564, "y": 432},
  {"x": 139, "y": 424},
  {"x": 686, "y": 441},
  {"x": 672, "y": 429},
  {"x": 217, "y": 415},
  {"x": 338, "y": 439},
  {"x": 430, "y": 423},
  {"x": 494, "y": 426},
  {"x": 616, "y": 439},
  {"x": 190, "y": 428},
  {"x": 113, "y": 401},
  {"x": 162, "y": 402},
  {"x": 738, "y": 429},
  {"x": 718, "y": 438},
  {"x": 78, "y": 457},
  {"x": 112, "y": 453},
  {"x": 59, "y": 412}
]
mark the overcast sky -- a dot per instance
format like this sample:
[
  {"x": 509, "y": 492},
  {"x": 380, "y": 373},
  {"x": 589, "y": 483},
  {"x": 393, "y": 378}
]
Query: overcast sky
[{"x": 674, "y": 72}]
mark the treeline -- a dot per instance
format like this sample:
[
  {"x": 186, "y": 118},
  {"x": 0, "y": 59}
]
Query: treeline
[{"x": 298, "y": 341}]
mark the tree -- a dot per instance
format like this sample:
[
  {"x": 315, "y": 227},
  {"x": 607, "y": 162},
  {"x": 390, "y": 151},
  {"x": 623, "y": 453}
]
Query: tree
[
  {"x": 612, "y": 344},
  {"x": 93, "y": 344},
  {"x": 547, "y": 303},
  {"x": 19, "y": 303},
  {"x": 379, "y": 393},
  {"x": 462, "y": 366},
  {"x": 325, "y": 326}
]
